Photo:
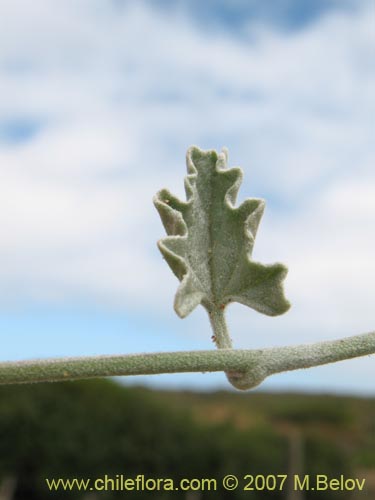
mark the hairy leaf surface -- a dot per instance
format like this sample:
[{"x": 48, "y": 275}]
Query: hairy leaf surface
[{"x": 210, "y": 241}]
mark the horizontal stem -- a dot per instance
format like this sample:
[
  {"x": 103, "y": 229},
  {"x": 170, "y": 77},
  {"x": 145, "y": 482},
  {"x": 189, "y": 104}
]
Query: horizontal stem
[{"x": 257, "y": 363}]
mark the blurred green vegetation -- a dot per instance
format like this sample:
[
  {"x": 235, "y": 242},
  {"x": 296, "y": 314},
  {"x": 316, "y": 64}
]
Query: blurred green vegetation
[{"x": 92, "y": 428}]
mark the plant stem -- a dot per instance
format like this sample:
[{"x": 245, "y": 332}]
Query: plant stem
[
  {"x": 222, "y": 339},
  {"x": 257, "y": 364},
  {"x": 220, "y": 329}
]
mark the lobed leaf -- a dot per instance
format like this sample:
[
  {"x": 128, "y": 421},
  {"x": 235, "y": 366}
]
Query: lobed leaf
[{"x": 210, "y": 241}]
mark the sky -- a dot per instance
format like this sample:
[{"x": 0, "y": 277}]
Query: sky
[{"x": 99, "y": 102}]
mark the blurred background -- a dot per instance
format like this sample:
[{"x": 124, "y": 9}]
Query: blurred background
[{"x": 99, "y": 101}]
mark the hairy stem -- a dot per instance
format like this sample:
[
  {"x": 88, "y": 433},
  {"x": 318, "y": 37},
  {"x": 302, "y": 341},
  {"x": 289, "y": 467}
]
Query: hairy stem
[
  {"x": 239, "y": 379},
  {"x": 257, "y": 364},
  {"x": 219, "y": 327}
]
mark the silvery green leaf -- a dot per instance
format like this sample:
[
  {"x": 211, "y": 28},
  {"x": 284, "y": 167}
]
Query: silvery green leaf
[{"x": 210, "y": 241}]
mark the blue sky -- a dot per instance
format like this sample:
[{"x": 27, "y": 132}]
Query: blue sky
[{"x": 98, "y": 104}]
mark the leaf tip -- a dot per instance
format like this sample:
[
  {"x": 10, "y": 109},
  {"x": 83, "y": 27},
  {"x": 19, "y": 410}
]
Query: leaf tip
[{"x": 187, "y": 297}]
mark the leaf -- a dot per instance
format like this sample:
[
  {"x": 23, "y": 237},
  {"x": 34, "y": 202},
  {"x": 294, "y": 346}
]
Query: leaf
[{"x": 210, "y": 242}]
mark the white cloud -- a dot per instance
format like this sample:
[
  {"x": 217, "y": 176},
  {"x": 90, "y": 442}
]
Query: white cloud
[{"x": 121, "y": 94}]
